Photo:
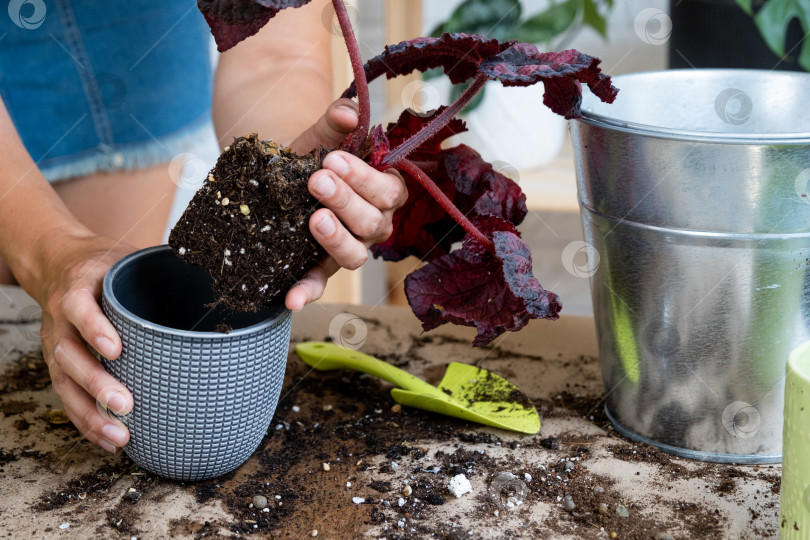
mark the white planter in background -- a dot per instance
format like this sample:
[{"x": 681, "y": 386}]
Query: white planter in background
[{"x": 513, "y": 126}]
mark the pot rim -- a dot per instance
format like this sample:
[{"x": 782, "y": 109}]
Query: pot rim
[
  {"x": 605, "y": 120},
  {"x": 277, "y": 315}
]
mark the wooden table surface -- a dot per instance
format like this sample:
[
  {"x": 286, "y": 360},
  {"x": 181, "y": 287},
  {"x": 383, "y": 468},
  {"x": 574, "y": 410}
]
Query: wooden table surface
[{"x": 55, "y": 484}]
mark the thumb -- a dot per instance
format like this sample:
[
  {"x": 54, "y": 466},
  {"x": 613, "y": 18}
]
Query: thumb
[{"x": 338, "y": 121}]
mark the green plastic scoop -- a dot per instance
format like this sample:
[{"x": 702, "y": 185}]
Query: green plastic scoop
[{"x": 465, "y": 391}]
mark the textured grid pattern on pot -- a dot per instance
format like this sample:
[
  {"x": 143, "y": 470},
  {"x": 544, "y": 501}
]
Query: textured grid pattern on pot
[{"x": 202, "y": 404}]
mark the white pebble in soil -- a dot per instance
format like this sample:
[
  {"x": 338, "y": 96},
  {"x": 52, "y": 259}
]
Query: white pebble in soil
[
  {"x": 603, "y": 509},
  {"x": 459, "y": 485},
  {"x": 358, "y": 500},
  {"x": 568, "y": 504}
]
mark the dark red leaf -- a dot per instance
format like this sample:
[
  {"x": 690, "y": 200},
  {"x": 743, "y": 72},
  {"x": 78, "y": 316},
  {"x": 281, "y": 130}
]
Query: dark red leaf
[
  {"x": 475, "y": 188},
  {"x": 232, "y": 21},
  {"x": 472, "y": 287},
  {"x": 561, "y": 72},
  {"x": 412, "y": 232},
  {"x": 421, "y": 227},
  {"x": 480, "y": 189},
  {"x": 376, "y": 147},
  {"x": 458, "y": 54},
  {"x": 410, "y": 123}
]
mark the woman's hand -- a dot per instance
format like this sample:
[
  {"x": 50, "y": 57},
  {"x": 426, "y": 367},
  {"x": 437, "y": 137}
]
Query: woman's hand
[
  {"x": 359, "y": 202},
  {"x": 72, "y": 320}
]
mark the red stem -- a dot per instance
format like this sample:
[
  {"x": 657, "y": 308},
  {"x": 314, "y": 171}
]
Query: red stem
[
  {"x": 364, "y": 121},
  {"x": 412, "y": 169},
  {"x": 436, "y": 123}
]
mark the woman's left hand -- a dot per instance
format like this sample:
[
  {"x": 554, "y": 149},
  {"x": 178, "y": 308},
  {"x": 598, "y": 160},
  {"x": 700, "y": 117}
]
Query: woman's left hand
[{"x": 359, "y": 202}]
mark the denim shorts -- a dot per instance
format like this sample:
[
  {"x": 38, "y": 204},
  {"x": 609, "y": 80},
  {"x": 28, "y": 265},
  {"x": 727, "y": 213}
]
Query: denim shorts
[{"x": 94, "y": 85}]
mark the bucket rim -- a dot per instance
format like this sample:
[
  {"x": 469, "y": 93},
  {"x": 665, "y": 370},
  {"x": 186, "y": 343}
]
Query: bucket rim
[{"x": 616, "y": 124}]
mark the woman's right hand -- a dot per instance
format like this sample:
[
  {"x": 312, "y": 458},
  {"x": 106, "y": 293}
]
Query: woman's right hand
[{"x": 69, "y": 292}]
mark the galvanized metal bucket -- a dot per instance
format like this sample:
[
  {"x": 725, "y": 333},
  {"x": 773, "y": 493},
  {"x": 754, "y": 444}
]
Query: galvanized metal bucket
[{"x": 693, "y": 189}]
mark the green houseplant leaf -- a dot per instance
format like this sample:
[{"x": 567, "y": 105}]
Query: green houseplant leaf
[
  {"x": 497, "y": 19},
  {"x": 502, "y": 19},
  {"x": 773, "y": 20},
  {"x": 593, "y": 18},
  {"x": 550, "y": 23}
]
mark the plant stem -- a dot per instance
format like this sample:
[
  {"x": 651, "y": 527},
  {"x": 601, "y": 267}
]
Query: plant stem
[
  {"x": 436, "y": 123},
  {"x": 438, "y": 195},
  {"x": 361, "y": 83}
]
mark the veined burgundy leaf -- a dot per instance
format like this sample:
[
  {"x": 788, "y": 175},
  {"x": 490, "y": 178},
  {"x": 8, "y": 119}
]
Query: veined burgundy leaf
[
  {"x": 410, "y": 122},
  {"x": 480, "y": 189},
  {"x": 231, "y": 21},
  {"x": 523, "y": 64},
  {"x": 421, "y": 225},
  {"x": 412, "y": 232},
  {"x": 477, "y": 190},
  {"x": 376, "y": 147},
  {"x": 472, "y": 287},
  {"x": 458, "y": 54}
]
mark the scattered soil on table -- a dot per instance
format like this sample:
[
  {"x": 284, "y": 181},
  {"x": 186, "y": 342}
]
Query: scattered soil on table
[
  {"x": 25, "y": 374},
  {"x": 248, "y": 225},
  {"x": 29, "y": 372},
  {"x": 721, "y": 479},
  {"x": 102, "y": 488},
  {"x": 340, "y": 458},
  {"x": 590, "y": 407},
  {"x": 13, "y": 407},
  {"x": 88, "y": 487},
  {"x": 6, "y": 457}
]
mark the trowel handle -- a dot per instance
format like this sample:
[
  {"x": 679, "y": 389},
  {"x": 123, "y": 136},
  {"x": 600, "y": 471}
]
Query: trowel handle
[{"x": 328, "y": 356}]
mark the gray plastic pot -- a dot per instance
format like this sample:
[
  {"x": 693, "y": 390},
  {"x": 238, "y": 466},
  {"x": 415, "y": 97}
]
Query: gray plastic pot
[{"x": 203, "y": 399}]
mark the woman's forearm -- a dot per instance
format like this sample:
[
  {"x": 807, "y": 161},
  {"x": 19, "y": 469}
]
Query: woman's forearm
[
  {"x": 33, "y": 219},
  {"x": 278, "y": 82}
]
